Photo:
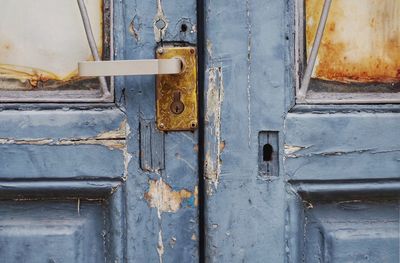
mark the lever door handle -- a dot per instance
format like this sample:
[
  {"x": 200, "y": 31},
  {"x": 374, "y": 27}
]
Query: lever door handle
[
  {"x": 101, "y": 69},
  {"x": 176, "y": 81},
  {"x": 130, "y": 67}
]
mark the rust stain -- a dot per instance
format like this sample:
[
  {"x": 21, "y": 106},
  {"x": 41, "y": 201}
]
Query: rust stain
[
  {"x": 164, "y": 198},
  {"x": 7, "y": 46},
  {"x": 222, "y": 146},
  {"x": 22, "y": 59},
  {"x": 361, "y": 42},
  {"x": 33, "y": 76}
]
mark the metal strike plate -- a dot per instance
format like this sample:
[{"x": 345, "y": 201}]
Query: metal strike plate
[{"x": 176, "y": 95}]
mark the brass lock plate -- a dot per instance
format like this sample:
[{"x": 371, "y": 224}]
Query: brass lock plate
[{"x": 176, "y": 95}]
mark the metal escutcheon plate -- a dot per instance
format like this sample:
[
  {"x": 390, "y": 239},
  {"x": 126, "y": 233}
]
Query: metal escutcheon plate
[{"x": 183, "y": 86}]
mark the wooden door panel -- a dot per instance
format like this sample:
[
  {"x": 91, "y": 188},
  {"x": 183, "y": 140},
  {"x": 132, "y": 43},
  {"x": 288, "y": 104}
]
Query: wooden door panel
[
  {"x": 52, "y": 231},
  {"x": 62, "y": 221},
  {"x": 327, "y": 154},
  {"x": 343, "y": 222},
  {"x": 342, "y": 146},
  {"x": 43, "y": 161},
  {"x": 352, "y": 231},
  {"x": 93, "y": 152},
  {"x": 62, "y": 144},
  {"x": 162, "y": 204},
  {"x": 43, "y": 122}
]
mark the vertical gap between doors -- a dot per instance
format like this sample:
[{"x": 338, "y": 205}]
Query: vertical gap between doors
[{"x": 201, "y": 71}]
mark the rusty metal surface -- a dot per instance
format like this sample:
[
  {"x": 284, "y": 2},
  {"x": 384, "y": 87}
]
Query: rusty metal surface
[
  {"x": 176, "y": 103},
  {"x": 42, "y": 41},
  {"x": 361, "y": 42}
]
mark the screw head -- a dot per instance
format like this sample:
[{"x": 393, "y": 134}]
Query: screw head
[
  {"x": 161, "y": 125},
  {"x": 160, "y": 50},
  {"x": 193, "y": 124}
]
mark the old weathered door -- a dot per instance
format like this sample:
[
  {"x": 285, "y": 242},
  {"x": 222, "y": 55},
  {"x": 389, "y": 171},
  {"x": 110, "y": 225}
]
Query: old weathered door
[
  {"x": 85, "y": 175},
  {"x": 295, "y": 175}
]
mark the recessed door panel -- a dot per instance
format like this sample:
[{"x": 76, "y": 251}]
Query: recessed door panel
[
  {"x": 52, "y": 231},
  {"x": 352, "y": 231}
]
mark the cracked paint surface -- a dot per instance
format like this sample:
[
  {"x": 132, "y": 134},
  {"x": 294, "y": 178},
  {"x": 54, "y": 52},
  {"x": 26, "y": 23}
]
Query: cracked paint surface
[
  {"x": 160, "y": 23},
  {"x": 291, "y": 150},
  {"x": 115, "y": 139}
]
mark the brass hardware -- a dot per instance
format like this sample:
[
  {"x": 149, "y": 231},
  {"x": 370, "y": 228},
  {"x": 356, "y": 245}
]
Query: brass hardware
[
  {"x": 177, "y": 105},
  {"x": 176, "y": 95}
]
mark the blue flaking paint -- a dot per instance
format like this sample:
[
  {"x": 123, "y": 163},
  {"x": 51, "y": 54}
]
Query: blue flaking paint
[
  {"x": 54, "y": 231},
  {"x": 125, "y": 223},
  {"x": 190, "y": 202},
  {"x": 250, "y": 220},
  {"x": 58, "y": 124},
  {"x": 365, "y": 143},
  {"x": 137, "y": 95},
  {"x": 47, "y": 161},
  {"x": 244, "y": 215}
]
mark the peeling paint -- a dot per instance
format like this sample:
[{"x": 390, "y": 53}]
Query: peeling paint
[
  {"x": 164, "y": 198},
  {"x": 248, "y": 88},
  {"x": 135, "y": 27},
  {"x": 115, "y": 139},
  {"x": 335, "y": 153},
  {"x": 172, "y": 242},
  {"x": 215, "y": 94},
  {"x": 290, "y": 150},
  {"x": 127, "y": 155},
  {"x": 160, "y": 246},
  {"x": 21, "y": 142},
  {"x": 209, "y": 47},
  {"x": 160, "y": 19},
  {"x": 119, "y": 133},
  {"x": 111, "y": 144}
]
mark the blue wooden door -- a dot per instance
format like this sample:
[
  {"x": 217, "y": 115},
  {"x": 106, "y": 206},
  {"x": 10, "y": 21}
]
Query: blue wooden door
[
  {"x": 292, "y": 177},
  {"x": 87, "y": 179}
]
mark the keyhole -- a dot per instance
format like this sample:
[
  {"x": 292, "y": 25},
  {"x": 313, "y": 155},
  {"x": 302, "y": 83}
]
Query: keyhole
[
  {"x": 177, "y": 105},
  {"x": 267, "y": 152}
]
